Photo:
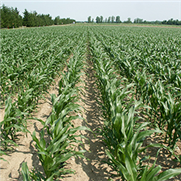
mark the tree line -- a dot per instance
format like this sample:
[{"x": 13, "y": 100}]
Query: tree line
[
  {"x": 10, "y": 18},
  {"x": 100, "y": 19},
  {"x": 167, "y": 22},
  {"x": 117, "y": 19}
]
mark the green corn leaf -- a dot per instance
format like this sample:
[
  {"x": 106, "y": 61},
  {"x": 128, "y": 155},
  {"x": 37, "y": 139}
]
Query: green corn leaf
[
  {"x": 130, "y": 166},
  {"x": 25, "y": 172},
  {"x": 81, "y": 128},
  {"x": 152, "y": 172},
  {"x": 168, "y": 174}
]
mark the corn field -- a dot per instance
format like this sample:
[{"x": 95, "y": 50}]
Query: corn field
[{"x": 138, "y": 77}]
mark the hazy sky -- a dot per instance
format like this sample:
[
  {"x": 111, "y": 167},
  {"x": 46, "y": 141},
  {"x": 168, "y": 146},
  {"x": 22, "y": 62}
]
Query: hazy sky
[{"x": 80, "y": 10}]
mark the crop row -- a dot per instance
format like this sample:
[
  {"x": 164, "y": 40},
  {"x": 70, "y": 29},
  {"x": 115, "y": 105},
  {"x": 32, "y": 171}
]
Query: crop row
[
  {"x": 152, "y": 63},
  {"x": 139, "y": 78},
  {"x": 27, "y": 70},
  {"x": 123, "y": 133},
  {"x": 30, "y": 61},
  {"x": 62, "y": 140},
  {"x": 30, "y": 57}
]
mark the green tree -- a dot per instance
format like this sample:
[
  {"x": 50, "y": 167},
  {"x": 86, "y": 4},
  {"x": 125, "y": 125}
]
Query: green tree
[
  {"x": 18, "y": 18},
  {"x": 26, "y": 18},
  {"x": 10, "y": 17},
  {"x": 138, "y": 20},
  {"x": 57, "y": 20},
  {"x": 112, "y": 19},
  {"x": 66, "y": 21},
  {"x": 33, "y": 19},
  {"x": 109, "y": 20},
  {"x": 89, "y": 19},
  {"x": 129, "y": 20},
  {"x": 118, "y": 19},
  {"x": 101, "y": 19},
  {"x": 170, "y": 21},
  {"x": 97, "y": 19}
]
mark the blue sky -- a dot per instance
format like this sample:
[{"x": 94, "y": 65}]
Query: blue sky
[{"x": 80, "y": 10}]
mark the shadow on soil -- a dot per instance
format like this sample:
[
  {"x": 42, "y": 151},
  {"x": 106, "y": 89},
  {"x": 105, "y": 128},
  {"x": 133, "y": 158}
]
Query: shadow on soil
[
  {"x": 163, "y": 159},
  {"x": 94, "y": 166}
]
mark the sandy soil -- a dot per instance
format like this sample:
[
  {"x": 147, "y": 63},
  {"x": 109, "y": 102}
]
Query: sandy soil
[
  {"x": 25, "y": 152},
  {"x": 90, "y": 169}
]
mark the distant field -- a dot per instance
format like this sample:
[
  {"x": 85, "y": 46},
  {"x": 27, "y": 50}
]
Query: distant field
[
  {"x": 128, "y": 24},
  {"x": 109, "y": 24}
]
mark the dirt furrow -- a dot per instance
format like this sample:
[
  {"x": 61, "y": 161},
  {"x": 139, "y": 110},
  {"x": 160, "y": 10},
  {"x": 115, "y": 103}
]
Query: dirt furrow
[
  {"x": 90, "y": 169},
  {"x": 25, "y": 152},
  {"x": 93, "y": 168}
]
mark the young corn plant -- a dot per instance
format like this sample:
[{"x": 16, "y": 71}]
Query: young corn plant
[
  {"x": 142, "y": 82},
  {"x": 123, "y": 136},
  {"x": 125, "y": 144},
  {"x": 172, "y": 116},
  {"x": 62, "y": 140},
  {"x": 13, "y": 122},
  {"x": 165, "y": 111},
  {"x": 60, "y": 146}
]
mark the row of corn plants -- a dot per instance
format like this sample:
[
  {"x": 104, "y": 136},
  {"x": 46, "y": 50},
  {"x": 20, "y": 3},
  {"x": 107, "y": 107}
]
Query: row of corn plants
[
  {"x": 27, "y": 72},
  {"x": 123, "y": 134},
  {"x": 30, "y": 55},
  {"x": 153, "y": 65},
  {"x": 62, "y": 141},
  {"x": 147, "y": 62}
]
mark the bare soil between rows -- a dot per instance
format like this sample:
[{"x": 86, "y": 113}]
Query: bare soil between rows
[
  {"x": 91, "y": 169},
  {"x": 25, "y": 152}
]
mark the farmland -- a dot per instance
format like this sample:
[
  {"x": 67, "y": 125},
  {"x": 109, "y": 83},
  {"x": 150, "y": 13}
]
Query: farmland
[{"x": 114, "y": 91}]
